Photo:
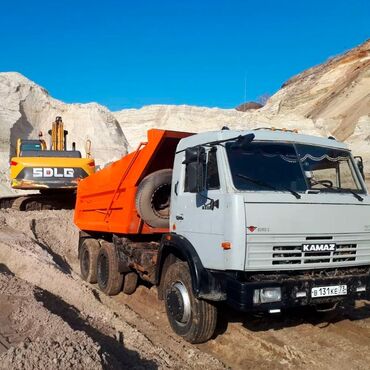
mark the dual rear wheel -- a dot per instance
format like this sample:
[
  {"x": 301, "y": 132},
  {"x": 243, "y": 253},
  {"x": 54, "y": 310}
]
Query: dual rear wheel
[
  {"x": 99, "y": 264},
  {"x": 191, "y": 318}
]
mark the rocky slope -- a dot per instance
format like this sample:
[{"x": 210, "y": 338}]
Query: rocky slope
[
  {"x": 26, "y": 109},
  {"x": 335, "y": 95}
]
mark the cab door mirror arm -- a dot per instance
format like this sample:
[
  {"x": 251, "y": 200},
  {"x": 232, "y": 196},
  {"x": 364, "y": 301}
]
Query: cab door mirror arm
[{"x": 360, "y": 165}]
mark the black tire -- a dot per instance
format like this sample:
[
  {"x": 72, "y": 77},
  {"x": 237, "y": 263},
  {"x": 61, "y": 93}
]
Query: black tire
[
  {"x": 153, "y": 198},
  {"x": 88, "y": 259},
  {"x": 108, "y": 277},
  {"x": 195, "y": 320}
]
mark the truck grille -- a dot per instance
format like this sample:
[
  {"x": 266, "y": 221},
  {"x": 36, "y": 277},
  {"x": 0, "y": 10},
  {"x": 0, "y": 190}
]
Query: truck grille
[{"x": 283, "y": 255}]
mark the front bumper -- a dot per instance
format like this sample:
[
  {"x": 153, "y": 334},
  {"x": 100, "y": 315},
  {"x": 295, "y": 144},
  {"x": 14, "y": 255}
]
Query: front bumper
[{"x": 240, "y": 293}]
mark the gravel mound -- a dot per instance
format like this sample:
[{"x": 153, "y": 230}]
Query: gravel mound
[
  {"x": 76, "y": 352},
  {"x": 35, "y": 337}
]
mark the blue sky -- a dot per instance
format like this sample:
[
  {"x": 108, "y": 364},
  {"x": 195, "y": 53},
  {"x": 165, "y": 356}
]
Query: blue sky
[{"x": 127, "y": 54}]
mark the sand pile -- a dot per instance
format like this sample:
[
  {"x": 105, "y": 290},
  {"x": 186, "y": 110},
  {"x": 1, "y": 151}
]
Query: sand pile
[
  {"x": 33, "y": 337},
  {"x": 54, "y": 309},
  {"x": 60, "y": 352}
]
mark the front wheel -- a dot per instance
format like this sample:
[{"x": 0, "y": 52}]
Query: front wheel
[{"x": 191, "y": 318}]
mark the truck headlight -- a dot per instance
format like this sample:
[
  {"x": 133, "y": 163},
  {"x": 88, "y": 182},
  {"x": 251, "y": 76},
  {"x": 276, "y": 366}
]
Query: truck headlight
[{"x": 267, "y": 295}]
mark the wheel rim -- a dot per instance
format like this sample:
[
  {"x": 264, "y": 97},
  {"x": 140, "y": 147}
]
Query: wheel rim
[
  {"x": 178, "y": 303},
  {"x": 103, "y": 271},
  {"x": 161, "y": 201},
  {"x": 85, "y": 265}
]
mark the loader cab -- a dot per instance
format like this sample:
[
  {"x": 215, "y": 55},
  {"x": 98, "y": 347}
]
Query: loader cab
[
  {"x": 28, "y": 146},
  {"x": 39, "y": 167}
]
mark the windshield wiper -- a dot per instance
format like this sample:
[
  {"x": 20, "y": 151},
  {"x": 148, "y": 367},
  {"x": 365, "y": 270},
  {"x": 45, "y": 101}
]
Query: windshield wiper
[
  {"x": 266, "y": 185},
  {"x": 341, "y": 190},
  {"x": 358, "y": 197}
]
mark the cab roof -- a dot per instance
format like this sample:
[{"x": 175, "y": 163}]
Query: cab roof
[{"x": 261, "y": 135}]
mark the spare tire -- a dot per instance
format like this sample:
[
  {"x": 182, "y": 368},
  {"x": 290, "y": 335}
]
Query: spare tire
[{"x": 153, "y": 198}]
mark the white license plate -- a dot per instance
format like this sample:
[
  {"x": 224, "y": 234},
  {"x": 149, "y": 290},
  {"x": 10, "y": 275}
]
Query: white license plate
[{"x": 328, "y": 291}]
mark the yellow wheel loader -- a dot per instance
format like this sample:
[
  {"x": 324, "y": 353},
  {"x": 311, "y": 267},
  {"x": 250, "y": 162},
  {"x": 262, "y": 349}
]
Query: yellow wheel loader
[{"x": 54, "y": 171}]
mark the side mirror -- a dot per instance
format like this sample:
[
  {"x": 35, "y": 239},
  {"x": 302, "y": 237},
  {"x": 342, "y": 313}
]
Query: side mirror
[
  {"x": 195, "y": 159},
  {"x": 360, "y": 165},
  {"x": 195, "y": 177},
  {"x": 191, "y": 155}
]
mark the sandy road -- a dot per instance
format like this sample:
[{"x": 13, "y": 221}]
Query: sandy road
[{"x": 296, "y": 339}]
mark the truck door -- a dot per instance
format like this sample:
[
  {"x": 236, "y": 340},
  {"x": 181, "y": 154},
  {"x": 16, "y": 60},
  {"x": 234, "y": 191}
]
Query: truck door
[{"x": 193, "y": 214}]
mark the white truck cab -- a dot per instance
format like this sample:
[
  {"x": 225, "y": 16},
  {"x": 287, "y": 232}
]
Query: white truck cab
[{"x": 277, "y": 218}]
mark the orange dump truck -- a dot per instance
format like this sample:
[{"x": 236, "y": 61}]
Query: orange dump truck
[
  {"x": 109, "y": 200},
  {"x": 123, "y": 214}
]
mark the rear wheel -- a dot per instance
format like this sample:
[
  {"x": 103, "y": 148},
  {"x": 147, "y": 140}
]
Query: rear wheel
[
  {"x": 191, "y": 318},
  {"x": 88, "y": 259},
  {"x": 108, "y": 277}
]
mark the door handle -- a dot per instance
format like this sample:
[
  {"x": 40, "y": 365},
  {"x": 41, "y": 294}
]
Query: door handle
[{"x": 179, "y": 217}]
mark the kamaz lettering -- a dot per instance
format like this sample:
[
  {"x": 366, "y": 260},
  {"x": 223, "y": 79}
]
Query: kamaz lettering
[
  {"x": 318, "y": 247},
  {"x": 53, "y": 172}
]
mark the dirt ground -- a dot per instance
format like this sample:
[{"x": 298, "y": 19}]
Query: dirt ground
[{"x": 50, "y": 318}]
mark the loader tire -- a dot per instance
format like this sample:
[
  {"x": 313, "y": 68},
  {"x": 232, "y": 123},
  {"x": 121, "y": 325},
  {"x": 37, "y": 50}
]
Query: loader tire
[
  {"x": 192, "y": 318},
  {"x": 109, "y": 279},
  {"x": 153, "y": 198},
  {"x": 88, "y": 259},
  {"x": 19, "y": 204}
]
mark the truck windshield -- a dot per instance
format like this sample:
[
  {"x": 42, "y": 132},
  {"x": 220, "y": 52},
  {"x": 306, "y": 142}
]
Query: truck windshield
[
  {"x": 275, "y": 164},
  {"x": 328, "y": 169},
  {"x": 295, "y": 167}
]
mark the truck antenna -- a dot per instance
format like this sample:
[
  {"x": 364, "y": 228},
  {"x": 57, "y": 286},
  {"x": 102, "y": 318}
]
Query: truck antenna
[{"x": 245, "y": 87}]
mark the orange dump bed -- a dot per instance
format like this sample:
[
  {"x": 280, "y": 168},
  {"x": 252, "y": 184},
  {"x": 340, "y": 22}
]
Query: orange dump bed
[{"x": 106, "y": 200}]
